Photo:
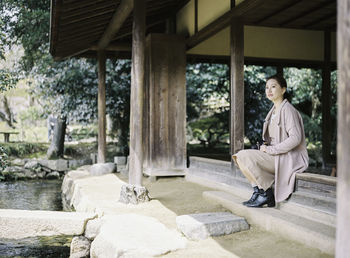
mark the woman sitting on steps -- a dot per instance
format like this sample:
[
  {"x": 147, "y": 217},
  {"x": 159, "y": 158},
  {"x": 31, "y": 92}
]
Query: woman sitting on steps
[{"x": 283, "y": 154}]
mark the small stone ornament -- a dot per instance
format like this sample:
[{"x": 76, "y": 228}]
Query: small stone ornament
[{"x": 133, "y": 194}]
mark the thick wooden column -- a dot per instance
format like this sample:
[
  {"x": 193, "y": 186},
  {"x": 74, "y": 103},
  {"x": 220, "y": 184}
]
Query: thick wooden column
[
  {"x": 326, "y": 100},
  {"x": 237, "y": 86},
  {"x": 101, "y": 151},
  {"x": 165, "y": 137},
  {"x": 137, "y": 90},
  {"x": 343, "y": 141}
]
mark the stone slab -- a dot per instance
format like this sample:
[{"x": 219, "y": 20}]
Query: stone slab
[
  {"x": 17, "y": 224},
  {"x": 203, "y": 225},
  {"x": 132, "y": 235},
  {"x": 100, "y": 169}
]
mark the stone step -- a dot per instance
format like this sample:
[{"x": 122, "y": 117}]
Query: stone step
[
  {"x": 319, "y": 215},
  {"x": 17, "y": 224},
  {"x": 308, "y": 232},
  {"x": 308, "y": 205},
  {"x": 323, "y": 203},
  {"x": 320, "y": 184},
  {"x": 200, "y": 226}
]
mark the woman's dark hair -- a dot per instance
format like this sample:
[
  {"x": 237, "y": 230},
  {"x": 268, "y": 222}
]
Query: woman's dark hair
[{"x": 282, "y": 82}]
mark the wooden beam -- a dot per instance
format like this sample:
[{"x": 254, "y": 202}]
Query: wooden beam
[
  {"x": 326, "y": 100},
  {"x": 307, "y": 12},
  {"x": 136, "y": 95},
  {"x": 278, "y": 11},
  {"x": 115, "y": 47},
  {"x": 321, "y": 19},
  {"x": 86, "y": 17},
  {"x": 120, "y": 15},
  {"x": 101, "y": 151},
  {"x": 237, "y": 86},
  {"x": 222, "y": 22},
  {"x": 343, "y": 142}
]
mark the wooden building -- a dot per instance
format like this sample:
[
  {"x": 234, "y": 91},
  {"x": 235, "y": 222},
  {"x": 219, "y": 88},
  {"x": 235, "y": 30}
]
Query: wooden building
[{"x": 160, "y": 35}]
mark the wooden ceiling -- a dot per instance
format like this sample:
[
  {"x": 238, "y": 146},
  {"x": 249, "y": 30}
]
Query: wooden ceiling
[{"x": 77, "y": 26}]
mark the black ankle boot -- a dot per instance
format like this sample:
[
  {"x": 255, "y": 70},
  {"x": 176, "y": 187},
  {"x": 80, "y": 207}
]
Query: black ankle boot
[
  {"x": 255, "y": 194},
  {"x": 266, "y": 197}
]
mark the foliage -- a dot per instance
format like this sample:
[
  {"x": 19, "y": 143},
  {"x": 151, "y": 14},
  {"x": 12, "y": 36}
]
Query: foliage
[
  {"x": 27, "y": 24},
  {"x": 3, "y": 159},
  {"x": 204, "y": 81},
  {"x": 70, "y": 87},
  {"x": 8, "y": 80},
  {"x": 118, "y": 100},
  {"x": 212, "y": 130},
  {"x": 21, "y": 149}
]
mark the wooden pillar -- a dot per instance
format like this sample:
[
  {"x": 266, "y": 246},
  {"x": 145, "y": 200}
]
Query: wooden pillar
[
  {"x": 165, "y": 153},
  {"x": 137, "y": 90},
  {"x": 237, "y": 86},
  {"x": 326, "y": 100},
  {"x": 343, "y": 141},
  {"x": 101, "y": 151}
]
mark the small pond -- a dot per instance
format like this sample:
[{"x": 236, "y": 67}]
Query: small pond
[{"x": 33, "y": 195}]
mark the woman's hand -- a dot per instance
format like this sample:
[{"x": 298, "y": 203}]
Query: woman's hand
[{"x": 263, "y": 148}]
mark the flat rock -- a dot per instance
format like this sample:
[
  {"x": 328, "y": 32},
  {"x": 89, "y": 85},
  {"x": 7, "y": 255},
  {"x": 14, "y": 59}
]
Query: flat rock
[
  {"x": 16, "y": 224},
  {"x": 203, "y": 225},
  {"x": 131, "y": 235},
  {"x": 58, "y": 164},
  {"x": 100, "y": 169}
]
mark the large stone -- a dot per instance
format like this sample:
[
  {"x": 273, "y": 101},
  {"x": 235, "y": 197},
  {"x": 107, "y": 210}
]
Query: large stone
[
  {"x": 203, "y": 225},
  {"x": 58, "y": 165},
  {"x": 131, "y": 235},
  {"x": 100, "y": 169},
  {"x": 80, "y": 247},
  {"x": 133, "y": 194},
  {"x": 32, "y": 164},
  {"x": 16, "y": 224}
]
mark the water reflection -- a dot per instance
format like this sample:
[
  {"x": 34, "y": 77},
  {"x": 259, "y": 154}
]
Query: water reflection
[
  {"x": 36, "y": 247},
  {"x": 31, "y": 195}
]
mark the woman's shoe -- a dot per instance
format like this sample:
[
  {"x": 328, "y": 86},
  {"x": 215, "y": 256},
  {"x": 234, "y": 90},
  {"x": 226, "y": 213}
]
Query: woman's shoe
[
  {"x": 255, "y": 194},
  {"x": 266, "y": 197}
]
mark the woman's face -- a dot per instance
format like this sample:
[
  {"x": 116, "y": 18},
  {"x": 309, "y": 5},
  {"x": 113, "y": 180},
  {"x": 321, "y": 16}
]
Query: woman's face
[{"x": 274, "y": 91}]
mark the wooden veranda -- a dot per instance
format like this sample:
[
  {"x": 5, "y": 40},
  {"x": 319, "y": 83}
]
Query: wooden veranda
[{"x": 280, "y": 33}]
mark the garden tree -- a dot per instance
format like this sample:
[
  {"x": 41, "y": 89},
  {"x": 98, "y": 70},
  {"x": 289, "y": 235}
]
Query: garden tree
[
  {"x": 70, "y": 87},
  {"x": 118, "y": 81}
]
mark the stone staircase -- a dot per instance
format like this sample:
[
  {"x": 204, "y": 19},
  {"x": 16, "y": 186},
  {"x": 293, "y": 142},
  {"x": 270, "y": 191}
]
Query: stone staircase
[{"x": 308, "y": 216}]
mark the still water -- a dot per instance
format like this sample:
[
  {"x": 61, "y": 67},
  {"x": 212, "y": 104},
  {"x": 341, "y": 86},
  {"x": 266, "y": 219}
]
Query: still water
[{"x": 33, "y": 195}]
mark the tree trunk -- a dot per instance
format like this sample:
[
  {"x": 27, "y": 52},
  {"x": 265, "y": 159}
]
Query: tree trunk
[{"x": 57, "y": 144}]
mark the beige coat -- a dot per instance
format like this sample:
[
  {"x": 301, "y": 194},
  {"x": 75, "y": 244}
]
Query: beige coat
[{"x": 290, "y": 149}]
